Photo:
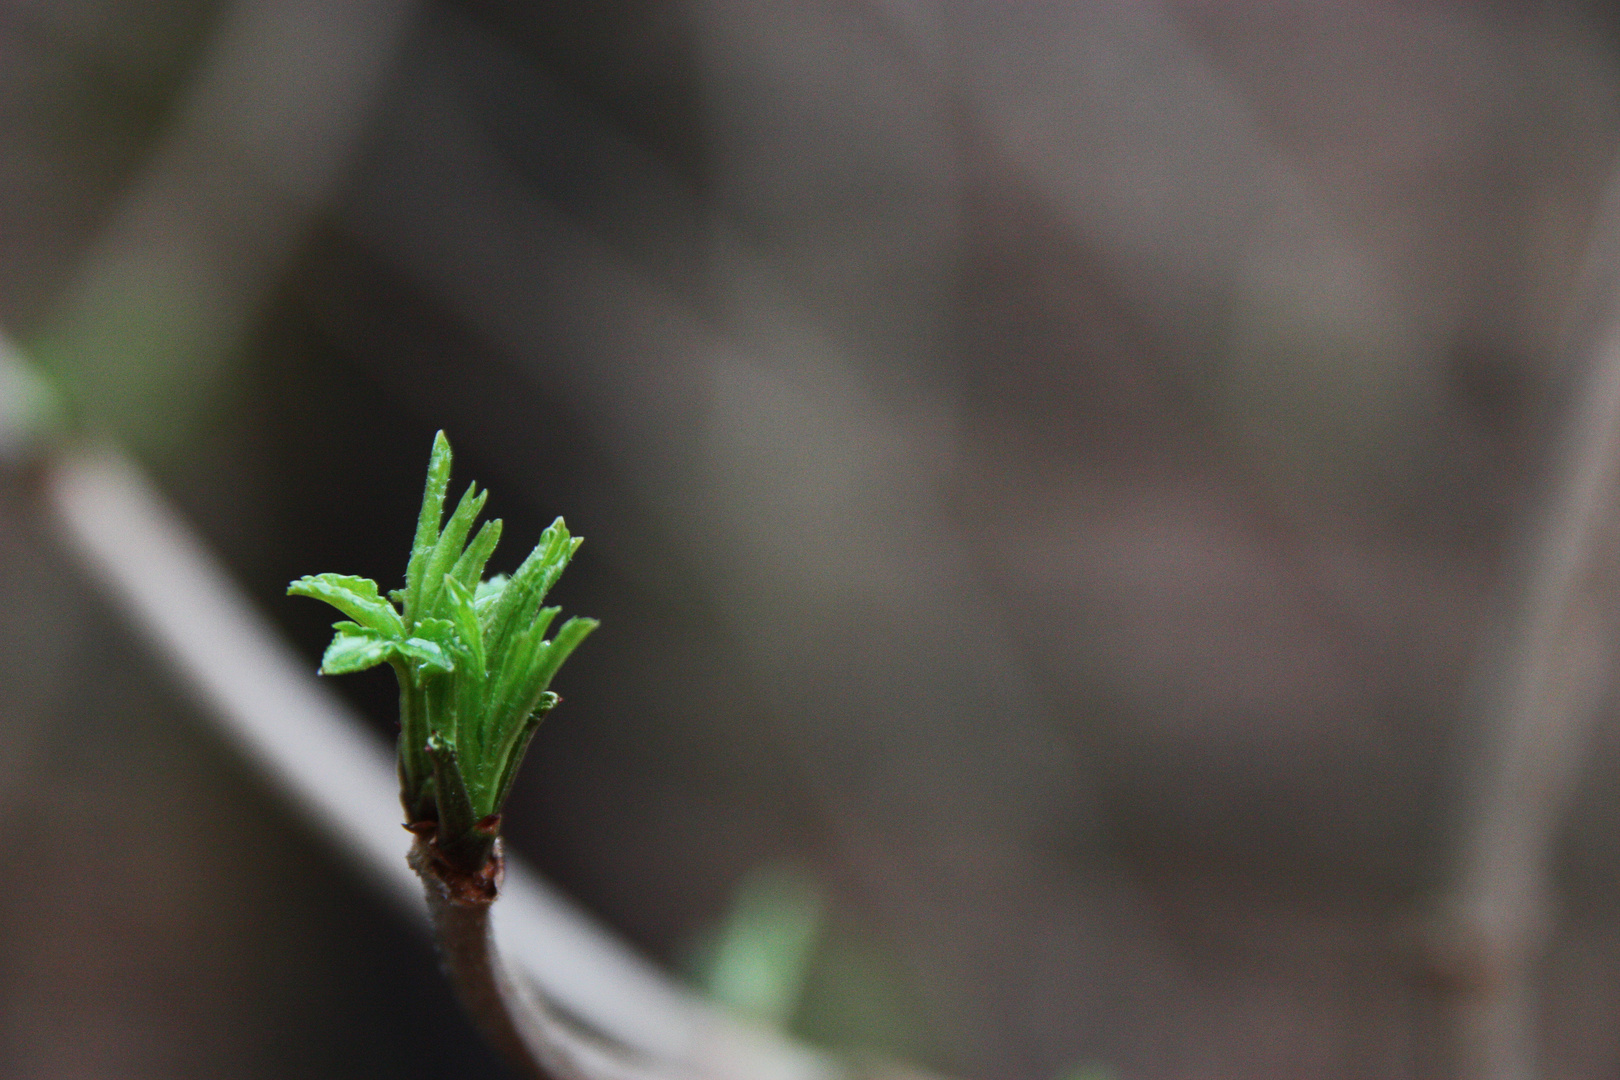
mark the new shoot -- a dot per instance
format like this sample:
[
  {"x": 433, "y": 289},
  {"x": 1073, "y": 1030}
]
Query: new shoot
[
  {"x": 473, "y": 662},
  {"x": 474, "y": 667}
]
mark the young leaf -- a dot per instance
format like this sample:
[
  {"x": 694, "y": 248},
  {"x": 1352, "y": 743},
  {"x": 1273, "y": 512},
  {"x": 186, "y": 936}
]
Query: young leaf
[
  {"x": 465, "y": 617},
  {"x": 485, "y": 595},
  {"x": 528, "y": 587},
  {"x": 355, "y": 648},
  {"x": 356, "y": 597},
  {"x": 433, "y": 647},
  {"x": 455, "y": 809},
  {"x": 459, "y": 835},
  {"x": 519, "y": 747},
  {"x": 447, "y": 551},
  {"x": 573, "y": 632},
  {"x": 427, "y": 523},
  {"x": 510, "y": 701},
  {"x": 470, "y": 567}
]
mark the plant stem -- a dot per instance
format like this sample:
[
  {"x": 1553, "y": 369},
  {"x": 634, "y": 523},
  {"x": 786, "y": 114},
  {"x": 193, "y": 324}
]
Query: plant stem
[
  {"x": 462, "y": 928},
  {"x": 538, "y": 1042}
]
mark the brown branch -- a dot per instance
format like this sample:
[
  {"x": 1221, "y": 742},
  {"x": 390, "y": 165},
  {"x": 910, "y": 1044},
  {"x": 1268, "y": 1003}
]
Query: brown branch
[{"x": 512, "y": 1015}]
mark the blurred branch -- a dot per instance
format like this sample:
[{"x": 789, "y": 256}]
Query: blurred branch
[{"x": 1538, "y": 690}]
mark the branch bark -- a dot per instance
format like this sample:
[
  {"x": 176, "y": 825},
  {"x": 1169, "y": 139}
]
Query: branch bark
[{"x": 512, "y": 1015}]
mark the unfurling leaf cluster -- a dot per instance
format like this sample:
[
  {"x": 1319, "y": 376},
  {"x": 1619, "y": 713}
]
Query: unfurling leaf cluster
[{"x": 471, "y": 656}]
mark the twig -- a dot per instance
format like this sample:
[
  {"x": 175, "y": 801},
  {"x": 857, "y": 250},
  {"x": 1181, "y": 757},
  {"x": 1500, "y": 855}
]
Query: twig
[{"x": 521, "y": 1024}]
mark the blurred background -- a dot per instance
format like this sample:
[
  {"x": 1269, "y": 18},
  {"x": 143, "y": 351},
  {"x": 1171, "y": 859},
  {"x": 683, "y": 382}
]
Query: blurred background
[{"x": 1048, "y": 469}]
